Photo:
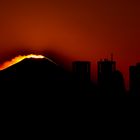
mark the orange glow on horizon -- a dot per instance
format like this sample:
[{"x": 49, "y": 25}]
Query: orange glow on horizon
[{"x": 19, "y": 59}]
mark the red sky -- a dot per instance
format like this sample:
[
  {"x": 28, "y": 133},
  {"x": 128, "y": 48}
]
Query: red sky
[{"x": 74, "y": 29}]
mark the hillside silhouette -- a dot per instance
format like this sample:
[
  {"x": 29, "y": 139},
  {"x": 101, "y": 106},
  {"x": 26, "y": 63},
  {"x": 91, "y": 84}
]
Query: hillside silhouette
[{"x": 34, "y": 78}]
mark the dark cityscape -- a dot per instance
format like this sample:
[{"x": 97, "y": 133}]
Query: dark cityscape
[
  {"x": 78, "y": 36},
  {"x": 34, "y": 77},
  {"x": 67, "y": 64}
]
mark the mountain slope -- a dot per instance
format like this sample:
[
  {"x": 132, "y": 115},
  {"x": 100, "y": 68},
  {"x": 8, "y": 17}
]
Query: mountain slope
[{"x": 34, "y": 75}]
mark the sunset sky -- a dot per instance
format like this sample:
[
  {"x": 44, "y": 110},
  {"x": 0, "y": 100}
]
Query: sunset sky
[{"x": 72, "y": 30}]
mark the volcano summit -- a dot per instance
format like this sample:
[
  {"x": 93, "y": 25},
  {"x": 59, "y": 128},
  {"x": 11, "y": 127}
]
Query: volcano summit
[{"x": 33, "y": 75}]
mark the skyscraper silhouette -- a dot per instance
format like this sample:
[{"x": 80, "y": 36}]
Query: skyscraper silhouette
[
  {"x": 135, "y": 79},
  {"x": 106, "y": 69},
  {"x": 81, "y": 70}
]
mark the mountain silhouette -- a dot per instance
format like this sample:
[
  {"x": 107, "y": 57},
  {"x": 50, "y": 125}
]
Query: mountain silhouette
[{"x": 34, "y": 78}]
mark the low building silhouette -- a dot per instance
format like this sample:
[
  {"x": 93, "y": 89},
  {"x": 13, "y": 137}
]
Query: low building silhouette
[{"x": 134, "y": 72}]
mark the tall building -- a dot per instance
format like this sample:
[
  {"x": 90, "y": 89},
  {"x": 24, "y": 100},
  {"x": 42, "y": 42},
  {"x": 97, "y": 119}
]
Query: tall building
[
  {"x": 134, "y": 72},
  {"x": 82, "y": 70},
  {"x": 106, "y": 69}
]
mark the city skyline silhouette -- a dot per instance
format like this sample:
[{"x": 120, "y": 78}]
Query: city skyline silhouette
[
  {"x": 71, "y": 30},
  {"x": 39, "y": 74},
  {"x": 55, "y": 53}
]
